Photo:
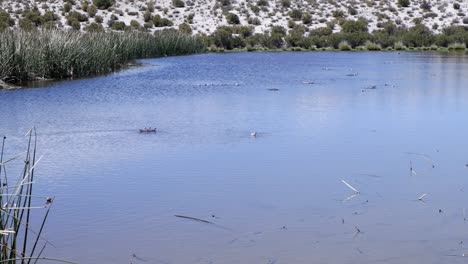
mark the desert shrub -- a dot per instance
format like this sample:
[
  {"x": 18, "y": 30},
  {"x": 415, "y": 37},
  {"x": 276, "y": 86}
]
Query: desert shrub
[
  {"x": 5, "y": 20},
  {"x": 178, "y": 3},
  {"x": 354, "y": 26},
  {"x": 84, "y": 5},
  {"x": 322, "y": 31},
  {"x": 94, "y": 27},
  {"x": 286, "y": 3},
  {"x": 254, "y": 21},
  {"x": 262, "y": 2},
  {"x": 103, "y": 4},
  {"x": 338, "y": 14},
  {"x": 296, "y": 36},
  {"x": 306, "y": 19},
  {"x": 404, "y": 3},
  {"x": 67, "y": 7},
  {"x": 296, "y": 14},
  {"x": 148, "y": 24},
  {"x": 75, "y": 15},
  {"x": 135, "y": 24},
  {"x": 185, "y": 28},
  {"x": 190, "y": 18},
  {"x": 425, "y": 6},
  {"x": 98, "y": 19},
  {"x": 118, "y": 25},
  {"x": 92, "y": 10},
  {"x": 161, "y": 22},
  {"x": 418, "y": 36},
  {"x": 147, "y": 16},
  {"x": 232, "y": 18},
  {"x": 352, "y": 11},
  {"x": 150, "y": 6},
  {"x": 456, "y": 6}
]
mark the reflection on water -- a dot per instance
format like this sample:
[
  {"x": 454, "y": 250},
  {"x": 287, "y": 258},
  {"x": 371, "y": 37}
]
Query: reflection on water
[{"x": 274, "y": 198}]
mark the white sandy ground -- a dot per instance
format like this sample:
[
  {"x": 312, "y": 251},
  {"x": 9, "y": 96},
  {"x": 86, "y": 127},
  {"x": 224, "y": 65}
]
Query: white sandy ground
[{"x": 208, "y": 14}]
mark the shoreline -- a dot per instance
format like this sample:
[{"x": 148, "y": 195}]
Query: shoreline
[{"x": 41, "y": 83}]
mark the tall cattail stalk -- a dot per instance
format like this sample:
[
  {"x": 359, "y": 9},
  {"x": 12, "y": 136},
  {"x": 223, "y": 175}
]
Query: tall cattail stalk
[{"x": 21, "y": 241}]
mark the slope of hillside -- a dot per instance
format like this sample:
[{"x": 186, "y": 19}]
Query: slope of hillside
[{"x": 204, "y": 16}]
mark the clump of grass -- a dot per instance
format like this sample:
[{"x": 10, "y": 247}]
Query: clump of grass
[
  {"x": 58, "y": 54},
  {"x": 344, "y": 46},
  {"x": 372, "y": 46},
  {"x": 457, "y": 46},
  {"x": 19, "y": 243},
  {"x": 399, "y": 46}
]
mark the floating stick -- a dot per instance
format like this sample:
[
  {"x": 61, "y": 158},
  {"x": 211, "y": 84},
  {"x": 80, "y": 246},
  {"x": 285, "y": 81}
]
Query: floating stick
[
  {"x": 193, "y": 218},
  {"x": 351, "y": 187},
  {"x": 422, "y": 196}
]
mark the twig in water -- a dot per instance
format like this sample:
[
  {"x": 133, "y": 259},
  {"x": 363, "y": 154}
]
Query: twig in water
[
  {"x": 194, "y": 219},
  {"x": 138, "y": 258},
  {"x": 351, "y": 187},
  {"x": 357, "y": 229},
  {"x": 464, "y": 214},
  {"x": 350, "y": 197},
  {"x": 422, "y": 197}
]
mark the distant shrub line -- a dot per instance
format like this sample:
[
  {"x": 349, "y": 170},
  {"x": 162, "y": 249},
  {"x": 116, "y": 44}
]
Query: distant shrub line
[
  {"x": 58, "y": 54},
  {"x": 354, "y": 35}
]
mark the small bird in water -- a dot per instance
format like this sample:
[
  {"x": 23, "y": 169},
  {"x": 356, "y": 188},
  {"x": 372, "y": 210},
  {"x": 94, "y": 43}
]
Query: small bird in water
[{"x": 253, "y": 134}]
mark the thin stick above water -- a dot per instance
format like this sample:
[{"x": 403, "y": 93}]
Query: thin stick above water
[
  {"x": 351, "y": 187},
  {"x": 194, "y": 219}
]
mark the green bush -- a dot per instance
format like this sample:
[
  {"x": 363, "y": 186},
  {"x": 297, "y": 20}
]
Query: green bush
[
  {"x": 404, "y": 3},
  {"x": 94, "y": 27},
  {"x": 425, "y": 6},
  {"x": 306, "y": 19},
  {"x": 178, "y": 3},
  {"x": 5, "y": 20},
  {"x": 354, "y": 26},
  {"x": 98, "y": 19},
  {"x": 118, "y": 25},
  {"x": 295, "y": 14},
  {"x": 135, "y": 25},
  {"x": 232, "y": 18},
  {"x": 371, "y": 46},
  {"x": 92, "y": 10},
  {"x": 147, "y": 16},
  {"x": 103, "y": 4},
  {"x": 185, "y": 28},
  {"x": 344, "y": 46},
  {"x": 161, "y": 22},
  {"x": 399, "y": 46},
  {"x": 262, "y": 2},
  {"x": 457, "y": 46},
  {"x": 67, "y": 7}
]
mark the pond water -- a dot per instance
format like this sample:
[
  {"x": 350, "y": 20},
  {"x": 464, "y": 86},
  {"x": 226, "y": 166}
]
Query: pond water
[{"x": 320, "y": 118}]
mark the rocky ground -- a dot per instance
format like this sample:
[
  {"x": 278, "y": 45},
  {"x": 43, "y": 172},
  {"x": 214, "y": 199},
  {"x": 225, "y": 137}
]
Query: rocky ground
[{"x": 204, "y": 16}]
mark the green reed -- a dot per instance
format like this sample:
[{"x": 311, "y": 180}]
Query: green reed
[
  {"x": 58, "y": 54},
  {"x": 22, "y": 214}
]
